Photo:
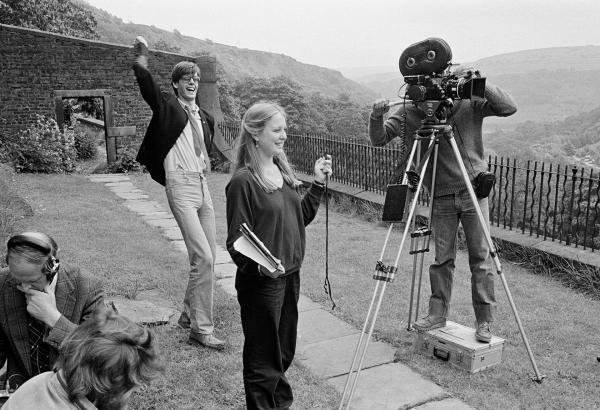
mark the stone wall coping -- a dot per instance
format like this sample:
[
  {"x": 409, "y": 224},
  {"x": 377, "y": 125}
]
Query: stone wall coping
[{"x": 513, "y": 236}]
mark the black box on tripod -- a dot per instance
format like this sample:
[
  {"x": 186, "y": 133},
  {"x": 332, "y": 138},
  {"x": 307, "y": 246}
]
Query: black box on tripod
[{"x": 457, "y": 345}]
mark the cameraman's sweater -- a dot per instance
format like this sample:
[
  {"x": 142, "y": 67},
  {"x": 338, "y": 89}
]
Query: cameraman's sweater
[{"x": 466, "y": 119}]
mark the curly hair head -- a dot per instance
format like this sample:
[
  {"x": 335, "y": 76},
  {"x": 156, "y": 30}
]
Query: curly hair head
[{"x": 106, "y": 358}]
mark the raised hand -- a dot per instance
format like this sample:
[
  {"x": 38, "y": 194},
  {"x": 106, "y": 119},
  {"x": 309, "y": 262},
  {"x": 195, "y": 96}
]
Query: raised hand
[{"x": 323, "y": 168}]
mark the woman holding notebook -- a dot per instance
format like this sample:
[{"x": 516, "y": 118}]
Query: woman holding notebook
[{"x": 263, "y": 194}]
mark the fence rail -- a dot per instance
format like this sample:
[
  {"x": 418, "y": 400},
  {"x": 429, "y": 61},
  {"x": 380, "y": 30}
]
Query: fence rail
[{"x": 557, "y": 203}]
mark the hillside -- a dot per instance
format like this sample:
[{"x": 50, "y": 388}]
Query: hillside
[
  {"x": 236, "y": 62},
  {"x": 574, "y": 140},
  {"x": 549, "y": 84}
]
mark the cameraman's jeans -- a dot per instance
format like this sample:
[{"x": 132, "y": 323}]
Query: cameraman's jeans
[
  {"x": 448, "y": 211},
  {"x": 191, "y": 204}
]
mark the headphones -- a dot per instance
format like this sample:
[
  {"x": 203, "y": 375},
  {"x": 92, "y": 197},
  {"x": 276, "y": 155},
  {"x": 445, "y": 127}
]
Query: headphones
[{"x": 41, "y": 242}]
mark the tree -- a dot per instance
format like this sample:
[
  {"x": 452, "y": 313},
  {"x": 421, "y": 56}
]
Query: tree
[
  {"x": 164, "y": 46},
  {"x": 280, "y": 90},
  {"x": 56, "y": 16}
]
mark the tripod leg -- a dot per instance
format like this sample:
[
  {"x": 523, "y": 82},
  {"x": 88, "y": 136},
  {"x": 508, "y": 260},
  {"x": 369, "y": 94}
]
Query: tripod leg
[
  {"x": 364, "y": 353},
  {"x": 538, "y": 377},
  {"x": 380, "y": 298},
  {"x": 414, "y": 246},
  {"x": 426, "y": 248},
  {"x": 368, "y": 319},
  {"x": 419, "y": 284}
]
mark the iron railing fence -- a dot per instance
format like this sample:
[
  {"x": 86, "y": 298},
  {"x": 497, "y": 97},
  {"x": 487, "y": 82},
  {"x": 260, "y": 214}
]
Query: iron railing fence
[
  {"x": 356, "y": 163},
  {"x": 555, "y": 202}
]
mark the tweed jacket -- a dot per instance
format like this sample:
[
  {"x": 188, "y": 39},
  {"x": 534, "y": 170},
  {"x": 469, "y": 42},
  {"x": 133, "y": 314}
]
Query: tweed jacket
[
  {"x": 77, "y": 297},
  {"x": 168, "y": 121}
]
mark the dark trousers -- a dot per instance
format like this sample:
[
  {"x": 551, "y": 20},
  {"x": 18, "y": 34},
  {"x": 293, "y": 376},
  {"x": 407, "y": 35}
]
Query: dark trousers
[{"x": 269, "y": 312}]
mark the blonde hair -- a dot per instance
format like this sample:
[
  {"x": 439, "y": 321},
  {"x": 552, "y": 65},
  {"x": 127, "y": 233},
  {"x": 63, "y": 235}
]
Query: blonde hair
[{"x": 253, "y": 123}]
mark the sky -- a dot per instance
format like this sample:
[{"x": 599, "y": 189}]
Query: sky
[{"x": 371, "y": 33}]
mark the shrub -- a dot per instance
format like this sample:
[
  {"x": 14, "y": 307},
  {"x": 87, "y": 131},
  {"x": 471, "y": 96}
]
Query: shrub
[
  {"x": 13, "y": 208},
  {"x": 42, "y": 147},
  {"x": 85, "y": 144},
  {"x": 125, "y": 162}
]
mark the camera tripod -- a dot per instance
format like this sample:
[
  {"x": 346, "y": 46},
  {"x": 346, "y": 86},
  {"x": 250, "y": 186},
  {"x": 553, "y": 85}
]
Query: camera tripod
[{"x": 431, "y": 131}]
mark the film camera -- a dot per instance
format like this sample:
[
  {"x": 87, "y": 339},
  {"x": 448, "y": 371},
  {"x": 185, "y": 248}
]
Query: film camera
[{"x": 425, "y": 67}]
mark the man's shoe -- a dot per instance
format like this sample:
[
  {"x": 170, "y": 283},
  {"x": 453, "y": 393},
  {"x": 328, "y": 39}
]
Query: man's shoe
[
  {"x": 210, "y": 341},
  {"x": 483, "y": 333},
  {"x": 429, "y": 322},
  {"x": 184, "y": 321}
]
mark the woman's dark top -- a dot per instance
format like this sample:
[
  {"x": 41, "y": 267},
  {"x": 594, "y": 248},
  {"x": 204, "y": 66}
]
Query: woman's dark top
[{"x": 277, "y": 218}]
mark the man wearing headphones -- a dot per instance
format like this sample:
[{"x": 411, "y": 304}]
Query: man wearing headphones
[{"x": 41, "y": 302}]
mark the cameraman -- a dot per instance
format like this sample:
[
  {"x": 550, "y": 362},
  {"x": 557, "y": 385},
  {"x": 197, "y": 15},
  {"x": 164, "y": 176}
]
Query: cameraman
[{"x": 452, "y": 203}]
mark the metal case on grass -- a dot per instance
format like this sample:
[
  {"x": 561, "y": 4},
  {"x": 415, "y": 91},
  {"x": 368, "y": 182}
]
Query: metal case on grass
[{"x": 457, "y": 345}]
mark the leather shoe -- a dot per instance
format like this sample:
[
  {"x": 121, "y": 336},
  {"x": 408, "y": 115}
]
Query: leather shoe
[
  {"x": 483, "y": 333},
  {"x": 210, "y": 341},
  {"x": 429, "y": 322}
]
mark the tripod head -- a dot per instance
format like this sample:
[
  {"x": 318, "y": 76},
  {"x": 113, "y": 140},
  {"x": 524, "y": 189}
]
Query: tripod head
[{"x": 436, "y": 117}]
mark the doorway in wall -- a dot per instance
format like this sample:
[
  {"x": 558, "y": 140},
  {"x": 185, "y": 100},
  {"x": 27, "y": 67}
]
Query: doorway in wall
[{"x": 93, "y": 110}]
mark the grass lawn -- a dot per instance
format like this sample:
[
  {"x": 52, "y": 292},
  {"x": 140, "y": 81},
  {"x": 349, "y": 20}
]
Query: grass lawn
[
  {"x": 561, "y": 324},
  {"x": 95, "y": 231}
]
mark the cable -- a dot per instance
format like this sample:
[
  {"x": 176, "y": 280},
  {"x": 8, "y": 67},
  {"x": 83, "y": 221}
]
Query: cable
[{"x": 327, "y": 283}]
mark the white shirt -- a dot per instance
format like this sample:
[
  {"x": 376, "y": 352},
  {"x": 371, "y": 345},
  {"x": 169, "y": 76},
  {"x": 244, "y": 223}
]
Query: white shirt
[{"x": 182, "y": 156}]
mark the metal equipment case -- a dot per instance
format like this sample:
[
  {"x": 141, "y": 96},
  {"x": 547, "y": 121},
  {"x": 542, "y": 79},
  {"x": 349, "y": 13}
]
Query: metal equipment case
[{"x": 457, "y": 345}]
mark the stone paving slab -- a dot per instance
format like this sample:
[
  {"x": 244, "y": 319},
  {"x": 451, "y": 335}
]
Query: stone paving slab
[
  {"x": 126, "y": 189},
  {"x": 333, "y": 357},
  {"x": 107, "y": 178},
  {"x": 143, "y": 207},
  {"x": 222, "y": 257},
  {"x": 317, "y": 325},
  {"x": 156, "y": 215},
  {"x": 446, "y": 404},
  {"x": 228, "y": 285},
  {"x": 179, "y": 245},
  {"x": 126, "y": 183},
  {"x": 142, "y": 311},
  {"x": 173, "y": 234},
  {"x": 117, "y": 190},
  {"x": 305, "y": 303},
  {"x": 391, "y": 386},
  {"x": 225, "y": 270},
  {"x": 163, "y": 222},
  {"x": 130, "y": 195}
]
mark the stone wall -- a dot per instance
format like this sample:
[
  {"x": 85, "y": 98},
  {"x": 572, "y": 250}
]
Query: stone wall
[{"x": 38, "y": 69}]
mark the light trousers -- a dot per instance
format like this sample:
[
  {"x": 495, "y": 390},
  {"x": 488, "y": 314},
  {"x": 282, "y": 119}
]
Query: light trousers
[{"x": 192, "y": 207}]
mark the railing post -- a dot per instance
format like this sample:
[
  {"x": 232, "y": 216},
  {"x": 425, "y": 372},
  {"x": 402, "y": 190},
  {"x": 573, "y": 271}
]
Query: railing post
[{"x": 570, "y": 219}]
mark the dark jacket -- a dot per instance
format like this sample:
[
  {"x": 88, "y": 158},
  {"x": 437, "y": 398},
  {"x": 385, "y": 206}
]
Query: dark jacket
[
  {"x": 168, "y": 121},
  {"x": 77, "y": 297}
]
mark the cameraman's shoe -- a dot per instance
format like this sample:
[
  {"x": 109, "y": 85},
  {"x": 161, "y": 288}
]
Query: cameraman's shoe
[
  {"x": 429, "y": 322},
  {"x": 483, "y": 332}
]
